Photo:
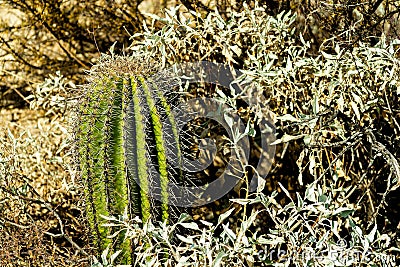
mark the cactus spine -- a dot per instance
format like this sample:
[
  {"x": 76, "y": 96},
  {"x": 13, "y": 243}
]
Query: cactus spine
[{"x": 121, "y": 115}]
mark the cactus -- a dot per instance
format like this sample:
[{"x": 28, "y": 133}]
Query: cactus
[{"x": 122, "y": 114}]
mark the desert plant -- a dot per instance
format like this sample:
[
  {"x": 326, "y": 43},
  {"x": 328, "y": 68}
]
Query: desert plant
[
  {"x": 120, "y": 123},
  {"x": 305, "y": 232}
]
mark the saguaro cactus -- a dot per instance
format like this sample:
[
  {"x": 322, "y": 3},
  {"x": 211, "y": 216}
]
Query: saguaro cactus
[{"x": 121, "y": 117}]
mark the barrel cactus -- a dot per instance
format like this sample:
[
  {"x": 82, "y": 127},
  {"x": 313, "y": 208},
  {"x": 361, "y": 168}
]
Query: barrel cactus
[{"x": 120, "y": 122}]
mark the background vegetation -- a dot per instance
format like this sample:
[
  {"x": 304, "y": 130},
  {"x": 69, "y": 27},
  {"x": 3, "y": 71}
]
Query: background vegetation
[{"x": 330, "y": 74}]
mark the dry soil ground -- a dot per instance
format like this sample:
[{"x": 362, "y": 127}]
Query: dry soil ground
[{"x": 40, "y": 214}]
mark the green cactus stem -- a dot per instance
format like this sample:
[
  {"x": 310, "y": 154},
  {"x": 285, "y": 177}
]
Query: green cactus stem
[{"x": 121, "y": 117}]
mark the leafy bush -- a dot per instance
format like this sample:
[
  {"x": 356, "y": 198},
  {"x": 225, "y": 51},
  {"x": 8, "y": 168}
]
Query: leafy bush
[
  {"x": 337, "y": 136},
  {"x": 305, "y": 231},
  {"x": 39, "y": 37}
]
